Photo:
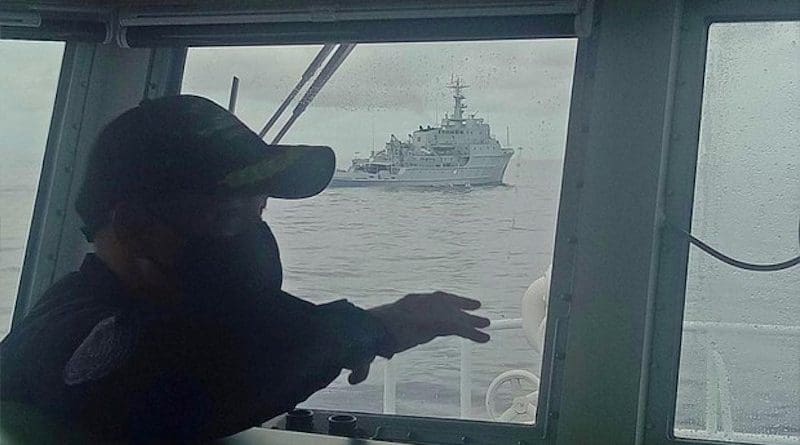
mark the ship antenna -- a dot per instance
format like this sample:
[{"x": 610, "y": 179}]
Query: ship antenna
[{"x": 458, "y": 106}]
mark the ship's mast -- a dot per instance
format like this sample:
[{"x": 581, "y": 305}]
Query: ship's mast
[{"x": 459, "y": 106}]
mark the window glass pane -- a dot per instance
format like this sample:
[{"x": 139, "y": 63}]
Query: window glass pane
[
  {"x": 28, "y": 79},
  {"x": 740, "y": 363},
  {"x": 392, "y": 120}
]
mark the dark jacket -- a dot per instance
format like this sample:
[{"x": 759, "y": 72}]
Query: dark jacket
[{"x": 90, "y": 356}]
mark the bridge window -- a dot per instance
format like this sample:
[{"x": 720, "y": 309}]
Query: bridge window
[
  {"x": 28, "y": 78},
  {"x": 470, "y": 235},
  {"x": 739, "y": 377}
]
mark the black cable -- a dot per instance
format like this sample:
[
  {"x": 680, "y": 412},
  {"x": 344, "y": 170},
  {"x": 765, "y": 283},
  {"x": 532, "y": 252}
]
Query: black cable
[{"x": 732, "y": 261}]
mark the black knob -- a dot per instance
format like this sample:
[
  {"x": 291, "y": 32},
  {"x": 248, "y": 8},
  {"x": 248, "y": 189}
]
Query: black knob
[
  {"x": 300, "y": 420},
  {"x": 342, "y": 425}
]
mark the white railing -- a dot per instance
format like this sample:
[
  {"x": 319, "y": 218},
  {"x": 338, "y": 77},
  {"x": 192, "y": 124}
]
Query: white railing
[
  {"x": 718, "y": 415},
  {"x": 718, "y": 418},
  {"x": 465, "y": 372}
]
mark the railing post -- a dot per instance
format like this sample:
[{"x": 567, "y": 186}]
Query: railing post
[
  {"x": 718, "y": 392},
  {"x": 712, "y": 391},
  {"x": 465, "y": 374},
  {"x": 390, "y": 388},
  {"x": 724, "y": 393}
]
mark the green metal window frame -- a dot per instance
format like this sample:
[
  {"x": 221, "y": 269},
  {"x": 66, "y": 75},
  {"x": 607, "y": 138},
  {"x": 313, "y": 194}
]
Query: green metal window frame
[
  {"x": 667, "y": 309},
  {"x": 592, "y": 251},
  {"x": 89, "y": 93},
  {"x": 432, "y": 429}
]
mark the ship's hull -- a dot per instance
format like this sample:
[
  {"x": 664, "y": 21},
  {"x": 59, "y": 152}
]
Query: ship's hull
[{"x": 480, "y": 170}]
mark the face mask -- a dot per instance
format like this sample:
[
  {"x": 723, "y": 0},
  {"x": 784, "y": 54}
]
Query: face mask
[{"x": 247, "y": 265}]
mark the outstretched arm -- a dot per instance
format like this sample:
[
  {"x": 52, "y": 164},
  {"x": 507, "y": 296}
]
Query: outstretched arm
[{"x": 200, "y": 374}]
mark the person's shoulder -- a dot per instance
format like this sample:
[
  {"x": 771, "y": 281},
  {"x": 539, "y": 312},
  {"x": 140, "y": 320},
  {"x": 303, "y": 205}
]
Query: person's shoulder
[
  {"x": 51, "y": 331},
  {"x": 91, "y": 293},
  {"x": 68, "y": 289},
  {"x": 69, "y": 303}
]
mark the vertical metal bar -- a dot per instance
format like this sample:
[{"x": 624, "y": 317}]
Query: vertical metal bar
[
  {"x": 52, "y": 197},
  {"x": 390, "y": 388},
  {"x": 234, "y": 95},
  {"x": 465, "y": 374},
  {"x": 723, "y": 393},
  {"x": 712, "y": 390},
  {"x": 165, "y": 74},
  {"x": 652, "y": 287}
]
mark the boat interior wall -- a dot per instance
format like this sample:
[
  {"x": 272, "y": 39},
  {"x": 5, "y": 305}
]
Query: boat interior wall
[
  {"x": 24, "y": 22},
  {"x": 668, "y": 286},
  {"x": 615, "y": 139},
  {"x": 220, "y": 11},
  {"x": 615, "y": 316},
  {"x": 181, "y": 24},
  {"x": 326, "y": 10}
]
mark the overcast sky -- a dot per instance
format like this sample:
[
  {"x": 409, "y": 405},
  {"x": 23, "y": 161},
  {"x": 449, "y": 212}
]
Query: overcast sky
[
  {"x": 381, "y": 89},
  {"x": 384, "y": 89}
]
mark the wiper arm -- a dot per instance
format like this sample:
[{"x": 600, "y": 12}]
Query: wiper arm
[
  {"x": 327, "y": 72},
  {"x": 307, "y": 75}
]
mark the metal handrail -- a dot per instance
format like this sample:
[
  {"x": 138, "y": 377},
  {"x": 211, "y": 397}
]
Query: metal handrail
[
  {"x": 465, "y": 371},
  {"x": 742, "y": 328},
  {"x": 718, "y": 418}
]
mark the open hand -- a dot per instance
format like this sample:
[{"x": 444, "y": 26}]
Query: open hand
[{"x": 419, "y": 318}]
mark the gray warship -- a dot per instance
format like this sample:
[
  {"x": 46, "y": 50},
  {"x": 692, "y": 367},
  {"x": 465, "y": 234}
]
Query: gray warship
[{"x": 459, "y": 152}]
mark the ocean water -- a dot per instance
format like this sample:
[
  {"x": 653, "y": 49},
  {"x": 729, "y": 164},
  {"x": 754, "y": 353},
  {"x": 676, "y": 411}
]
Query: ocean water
[
  {"x": 19, "y": 176},
  {"x": 373, "y": 245}
]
